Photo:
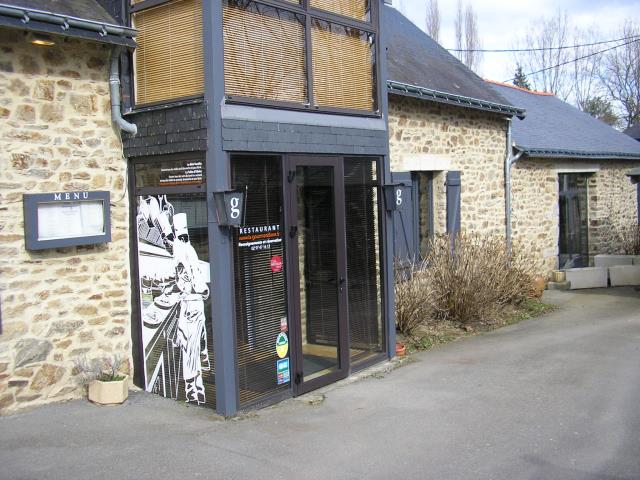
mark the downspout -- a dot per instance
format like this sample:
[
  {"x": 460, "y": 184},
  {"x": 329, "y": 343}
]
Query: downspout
[
  {"x": 509, "y": 160},
  {"x": 114, "y": 85}
]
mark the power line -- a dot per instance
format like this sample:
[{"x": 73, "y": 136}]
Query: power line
[
  {"x": 512, "y": 50},
  {"x": 577, "y": 58}
]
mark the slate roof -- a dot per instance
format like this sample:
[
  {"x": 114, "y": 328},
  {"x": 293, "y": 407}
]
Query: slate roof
[
  {"x": 73, "y": 18},
  {"x": 88, "y": 9},
  {"x": 555, "y": 129},
  {"x": 418, "y": 66},
  {"x": 633, "y": 131}
]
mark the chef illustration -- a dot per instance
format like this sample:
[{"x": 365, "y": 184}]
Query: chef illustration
[{"x": 190, "y": 335}]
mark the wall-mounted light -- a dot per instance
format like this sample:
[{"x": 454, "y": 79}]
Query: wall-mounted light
[
  {"x": 229, "y": 207},
  {"x": 42, "y": 40},
  {"x": 394, "y": 194}
]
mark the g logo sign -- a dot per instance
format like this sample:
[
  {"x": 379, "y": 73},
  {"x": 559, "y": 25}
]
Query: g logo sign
[
  {"x": 398, "y": 196},
  {"x": 235, "y": 211}
]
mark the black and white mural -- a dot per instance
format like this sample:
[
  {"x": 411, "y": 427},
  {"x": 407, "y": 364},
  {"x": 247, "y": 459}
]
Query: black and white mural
[{"x": 174, "y": 279}]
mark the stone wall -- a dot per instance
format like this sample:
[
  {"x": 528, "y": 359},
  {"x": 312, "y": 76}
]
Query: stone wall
[
  {"x": 474, "y": 142},
  {"x": 471, "y": 141},
  {"x": 56, "y": 135},
  {"x": 612, "y": 205},
  {"x": 534, "y": 207}
]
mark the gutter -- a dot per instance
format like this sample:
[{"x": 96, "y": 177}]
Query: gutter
[
  {"x": 560, "y": 153},
  {"x": 452, "y": 99},
  {"x": 65, "y": 22},
  {"x": 114, "y": 87},
  {"x": 509, "y": 160}
]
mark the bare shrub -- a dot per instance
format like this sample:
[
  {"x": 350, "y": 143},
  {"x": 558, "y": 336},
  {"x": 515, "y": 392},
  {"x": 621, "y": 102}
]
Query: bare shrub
[
  {"x": 414, "y": 296},
  {"x": 466, "y": 279},
  {"x": 101, "y": 369},
  {"x": 474, "y": 276}
]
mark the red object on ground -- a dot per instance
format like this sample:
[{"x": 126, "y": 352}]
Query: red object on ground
[{"x": 276, "y": 263}]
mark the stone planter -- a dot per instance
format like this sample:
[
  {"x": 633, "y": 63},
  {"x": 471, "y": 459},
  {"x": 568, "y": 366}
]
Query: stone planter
[
  {"x": 607, "y": 261},
  {"x": 624, "y": 275},
  {"x": 109, "y": 393},
  {"x": 590, "y": 277}
]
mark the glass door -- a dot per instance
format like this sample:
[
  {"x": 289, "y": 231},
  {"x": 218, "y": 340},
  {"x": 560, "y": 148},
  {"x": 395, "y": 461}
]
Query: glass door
[
  {"x": 574, "y": 222},
  {"x": 317, "y": 272}
]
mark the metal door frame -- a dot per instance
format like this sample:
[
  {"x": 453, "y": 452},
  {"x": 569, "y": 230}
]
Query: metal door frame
[
  {"x": 571, "y": 194},
  {"x": 293, "y": 274}
]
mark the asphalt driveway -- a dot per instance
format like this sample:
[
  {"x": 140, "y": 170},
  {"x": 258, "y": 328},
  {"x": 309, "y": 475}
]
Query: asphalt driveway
[{"x": 552, "y": 398}]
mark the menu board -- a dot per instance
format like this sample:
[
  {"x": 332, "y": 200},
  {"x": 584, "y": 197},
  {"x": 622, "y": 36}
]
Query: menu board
[{"x": 70, "y": 219}]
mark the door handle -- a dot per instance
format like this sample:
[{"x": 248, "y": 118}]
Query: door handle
[
  {"x": 293, "y": 231},
  {"x": 341, "y": 283}
]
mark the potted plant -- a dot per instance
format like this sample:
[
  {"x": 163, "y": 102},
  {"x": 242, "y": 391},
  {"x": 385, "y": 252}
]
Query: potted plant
[{"x": 105, "y": 384}]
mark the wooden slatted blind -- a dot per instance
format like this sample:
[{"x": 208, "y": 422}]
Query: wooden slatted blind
[
  {"x": 169, "y": 57},
  {"x": 358, "y": 9},
  {"x": 264, "y": 52},
  {"x": 342, "y": 67}
]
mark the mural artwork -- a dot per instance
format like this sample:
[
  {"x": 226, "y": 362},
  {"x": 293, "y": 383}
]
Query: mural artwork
[{"x": 174, "y": 301}]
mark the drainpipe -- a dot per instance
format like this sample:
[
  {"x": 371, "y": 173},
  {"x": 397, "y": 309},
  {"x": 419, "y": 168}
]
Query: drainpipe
[
  {"x": 509, "y": 160},
  {"x": 114, "y": 85}
]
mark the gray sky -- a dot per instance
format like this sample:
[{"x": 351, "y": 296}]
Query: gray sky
[{"x": 500, "y": 23}]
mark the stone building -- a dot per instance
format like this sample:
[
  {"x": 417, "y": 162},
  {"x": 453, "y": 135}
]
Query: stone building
[
  {"x": 236, "y": 243},
  {"x": 56, "y": 135},
  {"x": 234, "y": 246},
  {"x": 571, "y": 195},
  {"x": 448, "y": 135},
  {"x": 447, "y": 139}
]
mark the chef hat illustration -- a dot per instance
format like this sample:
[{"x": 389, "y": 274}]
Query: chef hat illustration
[{"x": 180, "y": 224}]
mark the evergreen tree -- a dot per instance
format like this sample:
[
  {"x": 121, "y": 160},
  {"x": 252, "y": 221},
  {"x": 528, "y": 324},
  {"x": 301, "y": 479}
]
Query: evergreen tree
[
  {"x": 602, "y": 109},
  {"x": 520, "y": 79}
]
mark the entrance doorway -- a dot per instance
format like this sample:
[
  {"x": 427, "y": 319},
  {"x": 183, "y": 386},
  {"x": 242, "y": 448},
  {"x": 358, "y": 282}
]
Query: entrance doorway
[
  {"x": 574, "y": 221},
  {"x": 317, "y": 270},
  {"x": 308, "y": 272}
]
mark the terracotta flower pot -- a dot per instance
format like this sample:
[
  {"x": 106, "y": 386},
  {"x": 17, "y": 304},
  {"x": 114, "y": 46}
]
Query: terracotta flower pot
[
  {"x": 539, "y": 284},
  {"x": 109, "y": 393},
  {"x": 401, "y": 349}
]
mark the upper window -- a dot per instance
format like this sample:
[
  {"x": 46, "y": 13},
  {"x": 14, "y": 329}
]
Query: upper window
[
  {"x": 264, "y": 52},
  {"x": 169, "y": 59},
  {"x": 305, "y": 57},
  {"x": 342, "y": 61},
  {"x": 358, "y": 9}
]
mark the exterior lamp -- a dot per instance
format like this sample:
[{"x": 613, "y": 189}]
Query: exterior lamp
[
  {"x": 42, "y": 40},
  {"x": 230, "y": 207},
  {"x": 393, "y": 195}
]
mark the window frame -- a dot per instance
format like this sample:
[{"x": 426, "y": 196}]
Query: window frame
[
  {"x": 134, "y": 107},
  {"x": 371, "y": 27},
  {"x": 302, "y": 8}
]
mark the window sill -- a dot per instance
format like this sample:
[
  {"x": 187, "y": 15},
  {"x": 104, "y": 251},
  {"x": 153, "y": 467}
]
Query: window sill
[
  {"x": 164, "y": 105},
  {"x": 255, "y": 102}
]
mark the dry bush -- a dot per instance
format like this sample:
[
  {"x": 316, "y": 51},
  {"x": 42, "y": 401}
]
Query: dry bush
[
  {"x": 466, "y": 279},
  {"x": 630, "y": 239},
  {"x": 414, "y": 296}
]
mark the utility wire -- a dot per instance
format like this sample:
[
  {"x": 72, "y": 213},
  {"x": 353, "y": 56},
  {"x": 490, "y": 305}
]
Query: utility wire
[
  {"x": 576, "y": 59},
  {"x": 510, "y": 50}
]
